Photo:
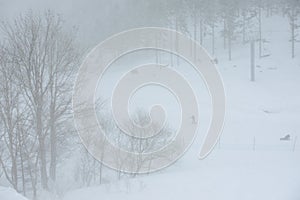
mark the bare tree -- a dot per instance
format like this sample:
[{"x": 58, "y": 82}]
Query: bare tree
[
  {"x": 44, "y": 57},
  {"x": 139, "y": 145},
  {"x": 9, "y": 115}
]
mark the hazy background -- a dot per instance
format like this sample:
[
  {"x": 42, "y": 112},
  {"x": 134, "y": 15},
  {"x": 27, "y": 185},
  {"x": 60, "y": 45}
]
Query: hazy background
[{"x": 95, "y": 19}]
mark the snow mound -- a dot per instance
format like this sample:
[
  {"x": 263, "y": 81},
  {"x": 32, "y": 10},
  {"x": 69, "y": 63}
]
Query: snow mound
[{"x": 10, "y": 194}]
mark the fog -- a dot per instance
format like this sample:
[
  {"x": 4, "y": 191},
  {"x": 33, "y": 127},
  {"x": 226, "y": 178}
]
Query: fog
[{"x": 201, "y": 102}]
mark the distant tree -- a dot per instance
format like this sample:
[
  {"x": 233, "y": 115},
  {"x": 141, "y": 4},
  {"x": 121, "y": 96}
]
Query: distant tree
[
  {"x": 211, "y": 11},
  {"x": 292, "y": 10},
  {"x": 248, "y": 14},
  {"x": 230, "y": 13},
  {"x": 177, "y": 19}
]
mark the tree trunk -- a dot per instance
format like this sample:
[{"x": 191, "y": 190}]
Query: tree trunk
[
  {"x": 252, "y": 61},
  {"x": 53, "y": 142},
  {"x": 293, "y": 32},
  {"x": 229, "y": 46},
  {"x": 100, "y": 173},
  {"x": 201, "y": 32},
  {"x": 213, "y": 39},
  {"x": 176, "y": 42},
  {"x": 244, "y": 27},
  {"x": 224, "y": 33},
  {"x": 20, "y": 143},
  {"x": 195, "y": 37},
  {"x": 229, "y": 36},
  {"x": 260, "y": 34},
  {"x": 42, "y": 150}
]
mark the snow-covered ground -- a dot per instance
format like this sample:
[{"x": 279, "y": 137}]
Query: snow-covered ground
[
  {"x": 250, "y": 161},
  {"x": 10, "y": 194},
  {"x": 223, "y": 175}
]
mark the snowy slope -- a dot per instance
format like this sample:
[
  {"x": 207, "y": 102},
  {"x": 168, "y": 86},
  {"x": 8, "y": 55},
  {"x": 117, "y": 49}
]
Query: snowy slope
[
  {"x": 238, "y": 168},
  {"x": 10, "y": 194},
  {"x": 224, "y": 175}
]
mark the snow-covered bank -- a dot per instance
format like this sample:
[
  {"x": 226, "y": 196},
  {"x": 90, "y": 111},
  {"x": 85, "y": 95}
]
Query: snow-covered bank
[{"x": 10, "y": 194}]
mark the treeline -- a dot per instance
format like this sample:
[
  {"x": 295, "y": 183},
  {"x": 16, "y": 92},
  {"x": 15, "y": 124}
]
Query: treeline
[{"x": 235, "y": 21}]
